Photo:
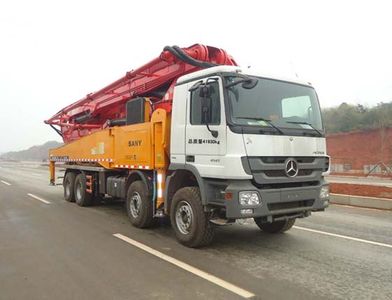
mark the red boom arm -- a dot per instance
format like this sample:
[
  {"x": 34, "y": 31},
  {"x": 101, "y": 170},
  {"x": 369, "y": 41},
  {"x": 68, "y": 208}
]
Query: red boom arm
[{"x": 155, "y": 80}]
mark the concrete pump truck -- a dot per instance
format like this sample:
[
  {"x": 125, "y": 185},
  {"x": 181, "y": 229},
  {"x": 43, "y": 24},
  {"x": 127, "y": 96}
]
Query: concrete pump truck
[{"x": 193, "y": 136}]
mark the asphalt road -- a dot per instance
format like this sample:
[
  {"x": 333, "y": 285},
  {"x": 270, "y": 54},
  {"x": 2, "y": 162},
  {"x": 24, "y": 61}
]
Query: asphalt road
[{"x": 57, "y": 250}]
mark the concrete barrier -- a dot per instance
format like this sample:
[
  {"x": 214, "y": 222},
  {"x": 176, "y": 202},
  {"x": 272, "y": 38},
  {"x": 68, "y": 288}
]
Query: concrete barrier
[{"x": 362, "y": 201}]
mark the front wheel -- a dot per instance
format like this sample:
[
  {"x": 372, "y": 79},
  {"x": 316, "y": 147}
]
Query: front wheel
[
  {"x": 189, "y": 221},
  {"x": 275, "y": 227}
]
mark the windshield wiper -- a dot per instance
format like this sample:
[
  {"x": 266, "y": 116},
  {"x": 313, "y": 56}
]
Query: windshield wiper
[
  {"x": 306, "y": 123},
  {"x": 265, "y": 120}
]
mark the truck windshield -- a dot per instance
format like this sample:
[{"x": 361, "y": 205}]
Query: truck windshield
[{"x": 273, "y": 103}]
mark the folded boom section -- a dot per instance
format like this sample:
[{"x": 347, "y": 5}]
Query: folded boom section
[{"x": 154, "y": 80}]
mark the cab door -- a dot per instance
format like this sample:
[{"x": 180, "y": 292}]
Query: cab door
[{"x": 205, "y": 145}]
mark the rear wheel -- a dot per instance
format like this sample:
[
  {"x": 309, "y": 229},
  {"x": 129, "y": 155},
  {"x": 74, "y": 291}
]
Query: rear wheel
[
  {"x": 275, "y": 227},
  {"x": 69, "y": 184},
  {"x": 82, "y": 198},
  {"x": 98, "y": 199},
  {"x": 139, "y": 205},
  {"x": 189, "y": 221}
]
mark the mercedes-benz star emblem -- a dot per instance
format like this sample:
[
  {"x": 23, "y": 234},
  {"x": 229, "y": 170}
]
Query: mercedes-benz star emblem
[{"x": 291, "y": 167}]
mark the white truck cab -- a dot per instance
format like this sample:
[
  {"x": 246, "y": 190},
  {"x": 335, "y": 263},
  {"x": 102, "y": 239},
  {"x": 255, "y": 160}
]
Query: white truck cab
[{"x": 255, "y": 144}]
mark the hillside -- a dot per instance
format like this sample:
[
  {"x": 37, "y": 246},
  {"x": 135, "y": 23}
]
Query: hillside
[
  {"x": 347, "y": 117},
  {"x": 35, "y": 153}
]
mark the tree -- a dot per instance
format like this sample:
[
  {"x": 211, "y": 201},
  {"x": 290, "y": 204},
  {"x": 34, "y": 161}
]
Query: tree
[{"x": 347, "y": 117}]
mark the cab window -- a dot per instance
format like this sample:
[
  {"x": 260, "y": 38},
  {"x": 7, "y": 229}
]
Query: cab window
[{"x": 213, "y": 101}]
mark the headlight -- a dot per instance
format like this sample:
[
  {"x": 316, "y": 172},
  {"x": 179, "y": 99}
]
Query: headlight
[
  {"x": 249, "y": 198},
  {"x": 324, "y": 192}
]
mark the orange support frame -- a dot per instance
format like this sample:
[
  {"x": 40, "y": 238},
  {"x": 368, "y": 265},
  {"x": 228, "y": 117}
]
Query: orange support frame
[
  {"x": 161, "y": 142},
  {"x": 143, "y": 146},
  {"x": 52, "y": 172}
]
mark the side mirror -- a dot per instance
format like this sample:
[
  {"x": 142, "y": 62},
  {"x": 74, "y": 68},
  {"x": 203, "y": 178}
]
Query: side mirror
[
  {"x": 204, "y": 91},
  {"x": 195, "y": 86},
  {"x": 206, "y": 115},
  {"x": 249, "y": 84},
  {"x": 206, "y": 111}
]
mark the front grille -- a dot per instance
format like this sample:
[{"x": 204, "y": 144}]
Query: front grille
[
  {"x": 282, "y": 173},
  {"x": 289, "y": 205},
  {"x": 275, "y": 173},
  {"x": 304, "y": 172},
  {"x": 326, "y": 168},
  {"x": 282, "y": 159},
  {"x": 285, "y": 185},
  {"x": 270, "y": 170}
]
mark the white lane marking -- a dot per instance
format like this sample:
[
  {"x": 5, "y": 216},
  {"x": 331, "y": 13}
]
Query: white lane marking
[
  {"x": 343, "y": 237},
  {"x": 38, "y": 198},
  {"x": 5, "y": 182},
  {"x": 222, "y": 283}
]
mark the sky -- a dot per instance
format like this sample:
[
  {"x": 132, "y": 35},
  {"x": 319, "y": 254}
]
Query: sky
[{"x": 53, "y": 53}]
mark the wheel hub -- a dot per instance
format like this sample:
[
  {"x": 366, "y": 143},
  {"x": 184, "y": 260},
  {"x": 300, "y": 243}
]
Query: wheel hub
[
  {"x": 184, "y": 217},
  {"x": 135, "y": 204}
]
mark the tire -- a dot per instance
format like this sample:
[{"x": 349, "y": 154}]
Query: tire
[
  {"x": 275, "y": 227},
  {"x": 82, "y": 198},
  {"x": 189, "y": 221},
  {"x": 69, "y": 185},
  {"x": 139, "y": 205},
  {"x": 98, "y": 199}
]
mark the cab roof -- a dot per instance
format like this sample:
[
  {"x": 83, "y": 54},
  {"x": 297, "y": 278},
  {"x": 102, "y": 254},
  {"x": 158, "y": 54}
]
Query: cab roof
[{"x": 236, "y": 69}]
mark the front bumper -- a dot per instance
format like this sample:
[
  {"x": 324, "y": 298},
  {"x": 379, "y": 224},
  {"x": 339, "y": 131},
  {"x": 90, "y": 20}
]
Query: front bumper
[{"x": 275, "y": 203}]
